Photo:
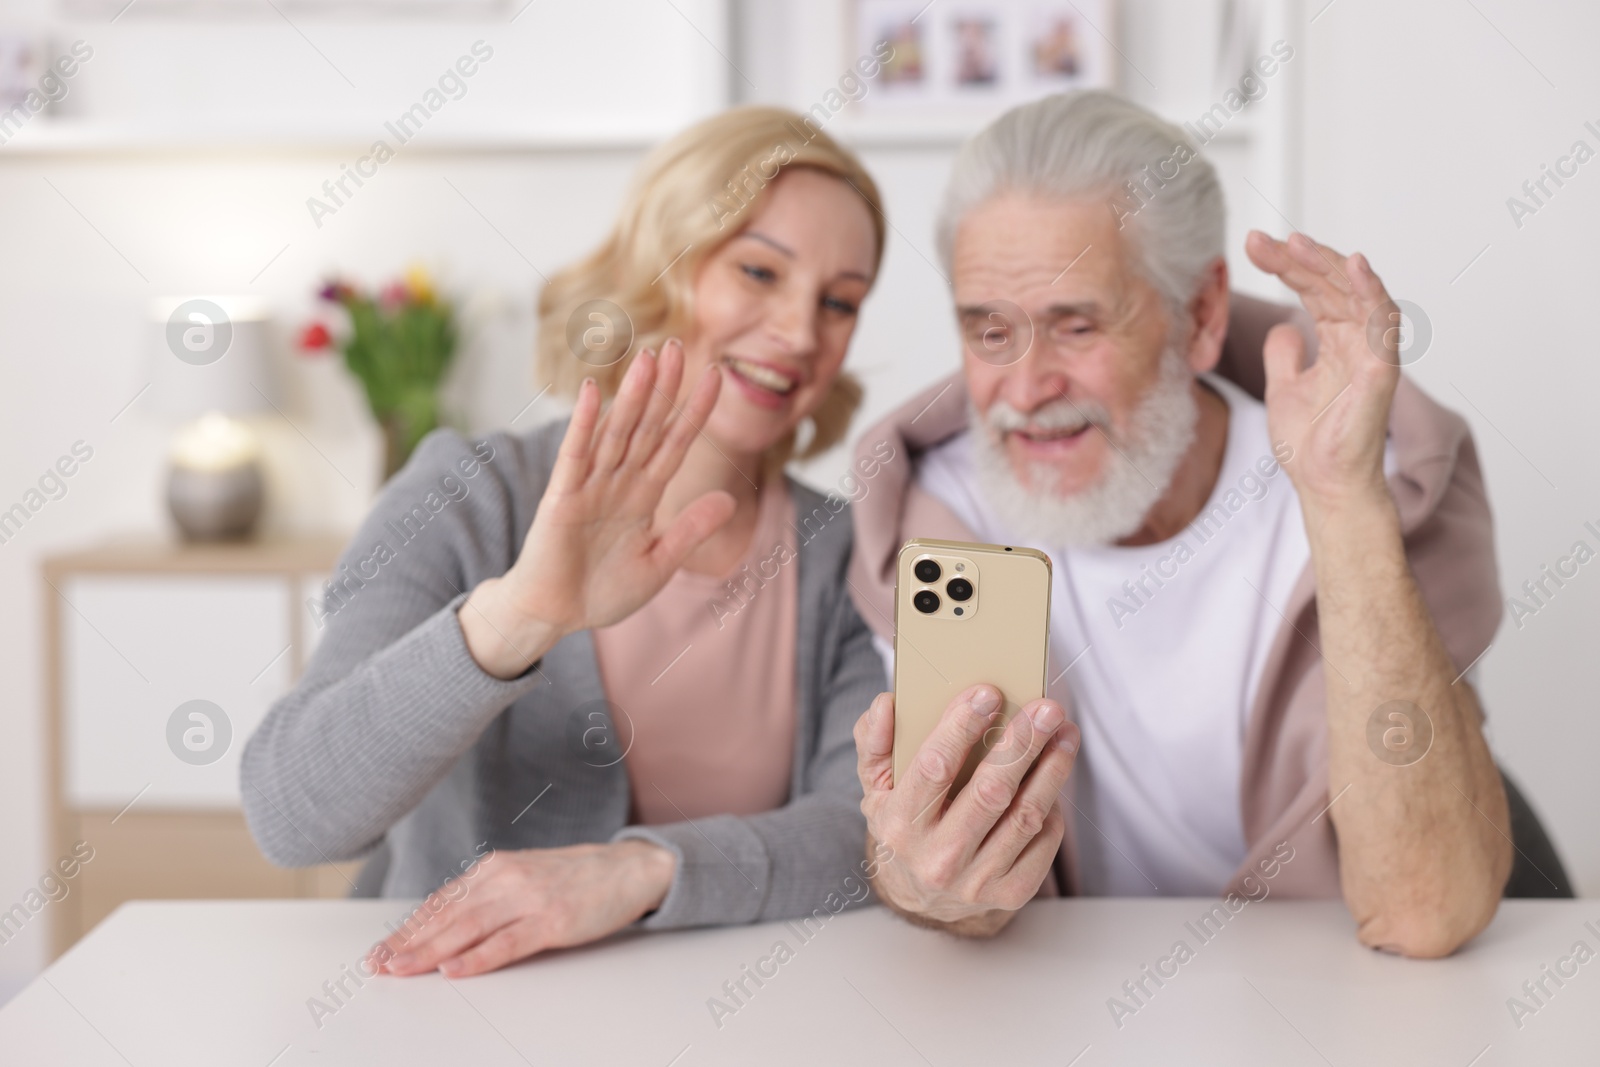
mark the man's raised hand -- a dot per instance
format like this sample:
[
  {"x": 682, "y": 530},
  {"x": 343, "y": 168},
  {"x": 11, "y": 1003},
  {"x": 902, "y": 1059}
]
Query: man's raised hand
[{"x": 1334, "y": 414}]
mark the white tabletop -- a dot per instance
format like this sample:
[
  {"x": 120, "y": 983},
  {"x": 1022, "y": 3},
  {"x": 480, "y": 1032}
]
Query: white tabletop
[{"x": 167, "y": 984}]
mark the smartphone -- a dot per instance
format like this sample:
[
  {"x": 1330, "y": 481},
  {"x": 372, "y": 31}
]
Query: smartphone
[{"x": 966, "y": 613}]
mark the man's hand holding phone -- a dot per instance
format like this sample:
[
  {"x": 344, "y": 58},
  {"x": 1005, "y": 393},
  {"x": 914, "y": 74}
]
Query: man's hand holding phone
[{"x": 966, "y": 863}]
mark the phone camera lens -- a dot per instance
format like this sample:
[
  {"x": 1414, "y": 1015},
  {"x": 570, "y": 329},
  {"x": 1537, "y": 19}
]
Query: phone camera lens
[
  {"x": 926, "y": 601},
  {"x": 926, "y": 570},
  {"x": 959, "y": 589}
]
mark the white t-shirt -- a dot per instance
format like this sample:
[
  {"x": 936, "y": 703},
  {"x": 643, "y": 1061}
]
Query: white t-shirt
[{"x": 1163, "y": 670}]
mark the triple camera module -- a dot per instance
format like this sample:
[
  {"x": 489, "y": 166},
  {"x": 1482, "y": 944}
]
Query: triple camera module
[{"x": 958, "y": 589}]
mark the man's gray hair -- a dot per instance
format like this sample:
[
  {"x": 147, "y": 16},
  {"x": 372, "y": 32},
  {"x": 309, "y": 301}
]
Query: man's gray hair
[{"x": 1094, "y": 143}]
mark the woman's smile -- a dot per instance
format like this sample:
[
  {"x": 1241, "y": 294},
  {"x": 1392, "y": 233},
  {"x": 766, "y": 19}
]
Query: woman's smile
[{"x": 762, "y": 383}]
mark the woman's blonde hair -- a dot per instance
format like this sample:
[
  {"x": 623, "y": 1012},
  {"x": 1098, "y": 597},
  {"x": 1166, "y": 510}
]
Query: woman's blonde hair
[{"x": 691, "y": 195}]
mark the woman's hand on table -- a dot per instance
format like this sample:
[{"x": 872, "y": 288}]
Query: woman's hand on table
[
  {"x": 595, "y": 552},
  {"x": 522, "y": 903}
]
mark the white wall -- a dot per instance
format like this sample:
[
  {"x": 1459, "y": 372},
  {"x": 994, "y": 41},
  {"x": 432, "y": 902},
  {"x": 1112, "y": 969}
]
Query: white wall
[{"x": 1418, "y": 124}]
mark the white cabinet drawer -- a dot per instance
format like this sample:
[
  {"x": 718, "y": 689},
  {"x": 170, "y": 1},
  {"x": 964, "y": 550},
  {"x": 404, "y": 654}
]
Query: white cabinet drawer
[{"x": 137, "y": 647}]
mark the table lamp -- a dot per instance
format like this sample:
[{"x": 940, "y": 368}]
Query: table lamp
[{"x": 209, "y": 362}]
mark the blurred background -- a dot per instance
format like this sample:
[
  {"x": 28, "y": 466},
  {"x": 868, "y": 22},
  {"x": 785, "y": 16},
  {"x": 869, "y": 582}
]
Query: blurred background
[{"x": 175, "y": 181}]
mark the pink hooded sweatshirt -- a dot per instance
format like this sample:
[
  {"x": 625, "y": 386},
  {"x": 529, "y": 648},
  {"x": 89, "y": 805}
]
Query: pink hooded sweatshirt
[{"x": 1283, "y": 789}]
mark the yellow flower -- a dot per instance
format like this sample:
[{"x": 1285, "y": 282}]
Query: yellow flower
[{"x": 419, "y": 283}]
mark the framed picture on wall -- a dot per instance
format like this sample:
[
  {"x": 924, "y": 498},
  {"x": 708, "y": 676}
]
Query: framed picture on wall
[{"x": 959, "y": 57}]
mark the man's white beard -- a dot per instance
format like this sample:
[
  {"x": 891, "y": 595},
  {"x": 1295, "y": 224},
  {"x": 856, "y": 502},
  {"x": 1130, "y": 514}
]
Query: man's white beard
[{"x": 1137, "y": 470}]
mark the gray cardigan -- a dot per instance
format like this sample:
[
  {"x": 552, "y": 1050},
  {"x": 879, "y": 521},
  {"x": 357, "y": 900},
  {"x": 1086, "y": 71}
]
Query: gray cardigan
[{"x": 396, "y": 745}]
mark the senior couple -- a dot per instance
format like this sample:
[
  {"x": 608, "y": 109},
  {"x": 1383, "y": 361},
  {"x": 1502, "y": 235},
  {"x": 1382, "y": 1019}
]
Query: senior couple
[{"x": 543, "y": 717}]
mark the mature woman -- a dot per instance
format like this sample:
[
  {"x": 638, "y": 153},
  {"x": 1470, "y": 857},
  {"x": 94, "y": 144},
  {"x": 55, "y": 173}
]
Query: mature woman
[{"x": 537, "y": 681}]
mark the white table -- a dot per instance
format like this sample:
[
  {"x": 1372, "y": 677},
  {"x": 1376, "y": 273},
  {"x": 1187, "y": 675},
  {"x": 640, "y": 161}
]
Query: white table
[{"x": 220, "y": 983}]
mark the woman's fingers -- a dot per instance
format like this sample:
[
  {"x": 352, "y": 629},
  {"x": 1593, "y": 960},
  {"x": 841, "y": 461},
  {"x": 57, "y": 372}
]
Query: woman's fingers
[
  {"x": 457, "y": 927},
  {"x": 704, "y": 397},
  {"x": 702, "y": 518},
  {"x": 669, "y": 374},
  {"x": 572, "y": 463},
  {"x": 616, "y": 429},
  {"x": 536, "y": 899},
  {"x": 683, "y": 427},
  {"x": 508, "y": 944}
]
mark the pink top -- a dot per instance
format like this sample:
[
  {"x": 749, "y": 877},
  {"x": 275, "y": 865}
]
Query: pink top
[{"x": 704, "y": 677}]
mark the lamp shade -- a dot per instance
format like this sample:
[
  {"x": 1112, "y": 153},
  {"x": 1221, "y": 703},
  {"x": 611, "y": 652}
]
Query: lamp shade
[{"x": 209, "y": 353}]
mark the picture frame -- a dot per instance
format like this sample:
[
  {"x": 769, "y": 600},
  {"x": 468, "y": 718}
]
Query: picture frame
[{"x": 968, "y": 57}]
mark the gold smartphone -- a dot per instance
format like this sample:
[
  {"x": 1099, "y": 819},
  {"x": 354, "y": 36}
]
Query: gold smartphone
[{"x": 966, "y": 613}]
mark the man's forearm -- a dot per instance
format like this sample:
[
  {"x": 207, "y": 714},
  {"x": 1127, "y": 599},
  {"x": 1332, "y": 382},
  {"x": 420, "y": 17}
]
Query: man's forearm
[{"x": 1424, "y": 847}]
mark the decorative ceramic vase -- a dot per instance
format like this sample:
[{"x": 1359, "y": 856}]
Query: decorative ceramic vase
[
  {"x": 214, "y": 483},
  {"x": 215, "y": 505}
]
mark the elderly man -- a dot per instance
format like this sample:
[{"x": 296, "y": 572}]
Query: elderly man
[{"x": 1261, "y": 613}]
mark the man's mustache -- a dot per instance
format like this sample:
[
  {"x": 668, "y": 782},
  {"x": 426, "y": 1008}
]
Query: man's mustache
[{"x": 1061, "y": 415}]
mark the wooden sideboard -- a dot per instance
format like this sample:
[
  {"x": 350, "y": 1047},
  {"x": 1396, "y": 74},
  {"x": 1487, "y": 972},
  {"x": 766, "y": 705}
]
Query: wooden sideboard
[{"x": 134, "y": 631}]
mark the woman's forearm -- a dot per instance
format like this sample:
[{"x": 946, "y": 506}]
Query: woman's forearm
[
  {"x": 504, "y": 640},
  {"x": 334, "y": 765}
]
